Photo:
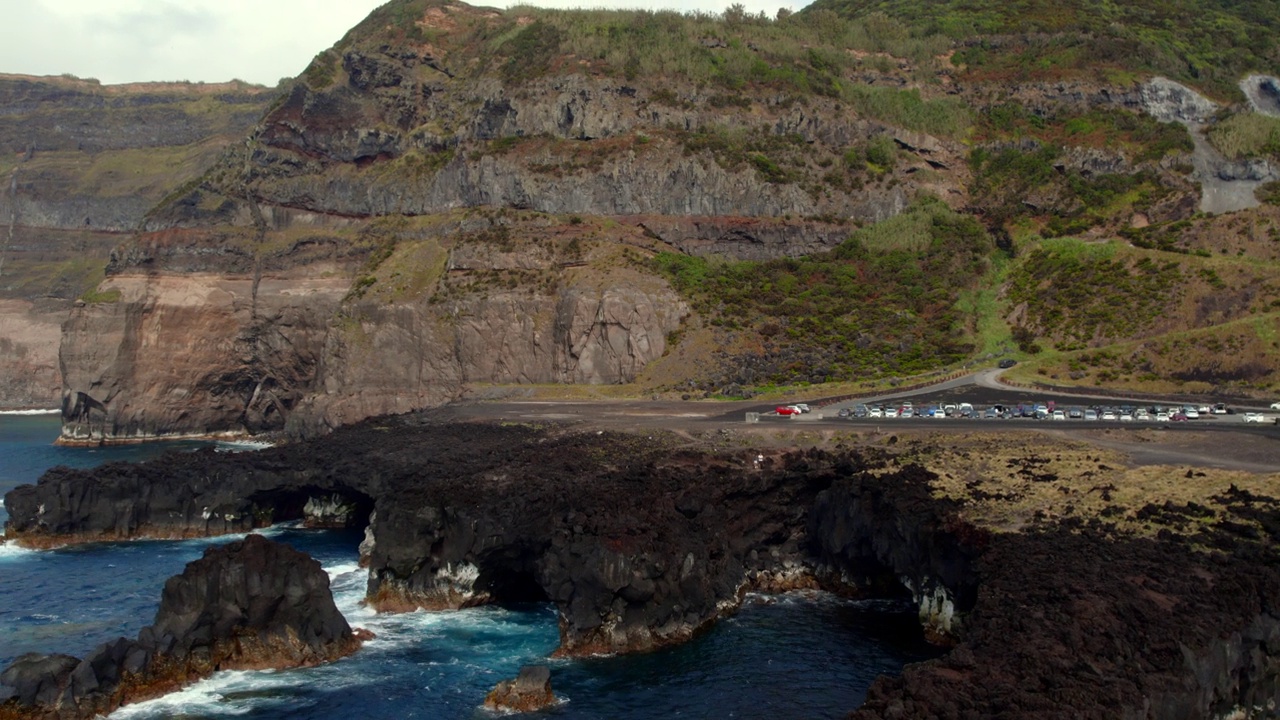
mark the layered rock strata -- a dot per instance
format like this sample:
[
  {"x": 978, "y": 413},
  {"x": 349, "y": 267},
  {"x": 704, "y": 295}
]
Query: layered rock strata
[
  {"x": 84, "y": 165},
  {"x": 640, "y": 541},
  {"x": 252, "y": 604}
]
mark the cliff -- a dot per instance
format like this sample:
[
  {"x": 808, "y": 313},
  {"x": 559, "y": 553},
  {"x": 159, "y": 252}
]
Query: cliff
[
  {"x": 81, "y": 164},
  {"x": 453, "y": 196},
  {"x": 641, "y": 540}
]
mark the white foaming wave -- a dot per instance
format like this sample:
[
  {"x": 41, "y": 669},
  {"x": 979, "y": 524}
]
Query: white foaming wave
[
  {"x": 270, "y": 532},
  {"x": 236, "y": 446},
  {"x": 236, "y": 693},
  {"x": 12, "y": 551},
  {"x": 30, "y": 412},
  {"x": 202, "y": 698}
]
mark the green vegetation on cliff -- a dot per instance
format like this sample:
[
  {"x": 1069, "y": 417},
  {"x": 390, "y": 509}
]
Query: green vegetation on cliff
[
  {"x": 1209, "y": 43},
  {"x": 882, "y": 303}
]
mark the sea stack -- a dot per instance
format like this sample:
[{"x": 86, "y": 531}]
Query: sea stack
[
  {"x": 251, "y": 604},
  {"x": 530, "y": 691}
]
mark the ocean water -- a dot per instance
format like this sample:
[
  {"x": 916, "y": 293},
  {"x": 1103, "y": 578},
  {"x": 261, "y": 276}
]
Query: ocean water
[{"x": 800, "y": 655}]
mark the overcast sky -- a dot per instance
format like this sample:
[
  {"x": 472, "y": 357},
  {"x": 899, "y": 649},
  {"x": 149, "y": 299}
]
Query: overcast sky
[{"x": 260, "y": 41}]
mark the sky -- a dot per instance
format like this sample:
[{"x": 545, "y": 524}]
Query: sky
[{"x": 261, "y": 41}]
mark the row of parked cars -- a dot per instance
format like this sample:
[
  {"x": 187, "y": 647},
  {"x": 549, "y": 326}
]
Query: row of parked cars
[{"x": 1040, "y": 411}]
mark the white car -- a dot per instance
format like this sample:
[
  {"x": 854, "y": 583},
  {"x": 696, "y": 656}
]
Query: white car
[
  {"x": 891, "y": 412},
  {"x": 875, "y": 412},
  {"x": 1162, "y": 417},
  {"x": 1275, "y": 406},
  {"x": 1191, "y": 413},
  {"x": 1254, "y": 417},
  {"x": 801, "y": 407}
]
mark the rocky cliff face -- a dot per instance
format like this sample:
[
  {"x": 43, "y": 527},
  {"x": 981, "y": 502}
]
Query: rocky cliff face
[
  {"x": 252, "y": 604},
  {"x": 477, "y": 228},
  {"x": 467, "y": 197},
  {"x": 82, "y": 165}
]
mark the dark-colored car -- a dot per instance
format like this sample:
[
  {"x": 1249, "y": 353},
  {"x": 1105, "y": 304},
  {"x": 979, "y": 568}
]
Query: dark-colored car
[{"x": 1007, "y": 363}]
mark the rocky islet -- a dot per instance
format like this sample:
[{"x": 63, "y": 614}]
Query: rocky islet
[{"x": 251, "y": 604}]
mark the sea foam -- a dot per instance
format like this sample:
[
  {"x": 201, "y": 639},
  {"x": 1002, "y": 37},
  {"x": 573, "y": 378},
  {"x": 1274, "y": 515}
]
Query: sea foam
[{"x": 12, "y": 551}]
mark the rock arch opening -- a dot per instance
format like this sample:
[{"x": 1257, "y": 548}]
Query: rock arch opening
[
  {"x": 510, "y": 584},
  {"x": 316, "y": 507}
]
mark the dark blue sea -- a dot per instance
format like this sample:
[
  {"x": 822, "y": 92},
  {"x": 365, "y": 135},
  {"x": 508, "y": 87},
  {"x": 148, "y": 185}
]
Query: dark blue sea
[{"x": 793, "y": 656}]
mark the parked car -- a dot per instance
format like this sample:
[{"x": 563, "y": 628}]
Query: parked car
[
  {"x": 801, "y": 407},
  {"x": 1162, "y": 416},
  {"x": 1059, "y": 415},
  {"x": 787, "y": 410},
  {"x": 1142, "y": 415},
  {"x": 1192, "y": 413},
  {"x": 891, "y": 412},
  {"x": 1254, "y": 417},
  {"x": 1109, "y": 415},
  {"x": 1221, "y": 409},
  {"x": 875, "y": 412},
  {"x": 1075, "y": 413},
  {"x": 1275, "y": 406},
  {"x": 844, "y": 413},
  {"x": 1090, "y": 414},
  {"x": 1178, "y": 417}
]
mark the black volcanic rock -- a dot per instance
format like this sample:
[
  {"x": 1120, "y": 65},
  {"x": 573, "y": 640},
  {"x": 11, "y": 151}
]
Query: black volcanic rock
[
  {"x": 270, "y": 598},
  {"x": 249, "y": 604},
  {"x": 530, "y": 691},
  {"x": 641, "y": 540}
]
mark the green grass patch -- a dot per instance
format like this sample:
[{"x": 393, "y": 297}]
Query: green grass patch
[
  {"x": 882, "y": 303},
  {"x": 1209, "y": 43},
  {"x": 1246, "y": 135},
  {"x": 1076, "y": 293}
]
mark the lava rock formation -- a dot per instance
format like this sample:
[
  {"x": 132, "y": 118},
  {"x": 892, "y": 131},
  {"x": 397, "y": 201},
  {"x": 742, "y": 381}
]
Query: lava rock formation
[{"x": 251, "y": 604}]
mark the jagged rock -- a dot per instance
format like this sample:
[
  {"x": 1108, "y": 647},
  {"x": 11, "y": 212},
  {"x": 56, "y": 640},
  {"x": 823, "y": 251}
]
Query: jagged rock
[
  {"x": 1169, "y": 101},
  {"x": 247, "y": 605},
  {"x": 640, "y": 542},
  {"x": 1263, "y": 92},
  {"x": 529, "y": 692},
  {"x": 35, "y": 679}
]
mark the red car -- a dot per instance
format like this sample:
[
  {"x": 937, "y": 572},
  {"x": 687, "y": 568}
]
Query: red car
[{"x": 787, "y": 410}]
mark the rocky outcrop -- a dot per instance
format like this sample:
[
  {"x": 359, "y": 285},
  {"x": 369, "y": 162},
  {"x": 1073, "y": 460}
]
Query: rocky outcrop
[
  {"x": 253, "y": 604},
  {"x": 638, "y": 546},
  {"x": 859, "y": 532},
  {"x": 1074, "y": 625},
  {"x": 1263, "y": 92},
  {"x": 91, "y": 161},
  {"x": 640, "y": 541},
  {"x": 529, "y": 692}
]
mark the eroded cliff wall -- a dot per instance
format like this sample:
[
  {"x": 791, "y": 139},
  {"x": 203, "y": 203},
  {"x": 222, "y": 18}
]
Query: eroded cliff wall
[{"x": 81, "y": 165}]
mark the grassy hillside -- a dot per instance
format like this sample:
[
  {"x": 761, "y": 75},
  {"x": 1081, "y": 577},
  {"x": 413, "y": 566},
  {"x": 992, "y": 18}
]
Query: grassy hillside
[
  {"x": 884, "y": 303},
  {"x": 1208, "y": 43},
  {"x": 1051, "y": 221}
]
